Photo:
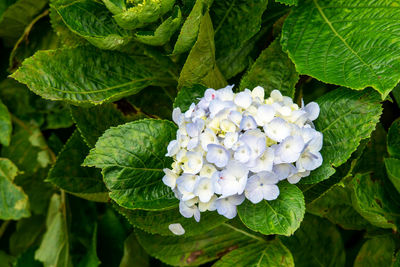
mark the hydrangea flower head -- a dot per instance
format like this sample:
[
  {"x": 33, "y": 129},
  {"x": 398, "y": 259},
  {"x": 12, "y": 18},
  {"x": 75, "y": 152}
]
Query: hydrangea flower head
[{"x": 232, "y": 146}]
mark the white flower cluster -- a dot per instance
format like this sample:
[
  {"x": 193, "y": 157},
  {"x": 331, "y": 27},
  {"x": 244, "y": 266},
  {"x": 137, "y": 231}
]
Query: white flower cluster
[{"x": 235, "y": 146}]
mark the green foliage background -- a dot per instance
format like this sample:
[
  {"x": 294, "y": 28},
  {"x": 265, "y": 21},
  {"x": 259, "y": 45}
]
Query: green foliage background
[{"x": 87, "y": 89}]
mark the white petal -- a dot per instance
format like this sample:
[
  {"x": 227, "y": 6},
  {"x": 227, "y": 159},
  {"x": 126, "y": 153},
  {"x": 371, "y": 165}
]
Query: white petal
[
  {"x": 176, "y": 229},
  {"x": 173, "y": 148},
  {"x": 255, "y": 196},
  {"x": 258, "y": 92},
  {"x": 276, "y": 95},
  {"x": 186, "y": 211},
  {"x": 235, "y": 117},
  {"x": 230, "y": 139},
  {"x": 265, "y": 114},
  {"x": 186, "y": 182},
  {"x": 309, "y": 161},
  {"x": 312, "y": 110},
  {"x": 218, "y": 155},
  {"x": 204, "y": 189},
  {"x": 177, "y": 116},
  {"x": 270, "y": 192},
  {"x": 283, "y": 170},
  {"x": 242, "y": 153},
  {"x": 210, "y": 94},
  {"x": 243, "y": 99},
  {"x": 278, "y": 129},
  {"x": 248, "y": 123},
  {"x": 170, "y": 178}
]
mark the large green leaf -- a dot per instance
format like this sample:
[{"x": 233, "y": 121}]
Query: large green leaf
[
  {"x": 198, "y": 249},
  {"x": 272, "y": 70},
  {"x": 14, "y": 203},
  {"x": 54, "y": 248},
  {"x": 371, "y": 199},
  {"x": 92, "y": 21},
  {"x": 288, "y": 2},
  {"x": 346, "y": 117},
  {"x": 377, "y": 251},
  {"x": 190, "y": 29},
  {"x": 200, "y": 66},
  {"x": 27, "y": 234},
  {"x": 68, "y": 174},
  {"x": 85, "y": 75},
  {"x": 281, "y": 216},
  {"x": 163, "y": 32},
  {"x": 157, "y": 222},
  {"x": 92, "y": 122},
  {"x": 132, "y": 157},
  {"x": 274, "y": 253},
  {"x": 316, "y": 243},
  {"x": 393, "y": 171},
  {"x": 235, "y": 22},
  {"x": 5, "y": 125},
  {"x": 16, "y": 17},
  {"x": 354, "y": 44},
  {"x": 393, "y": 139}
]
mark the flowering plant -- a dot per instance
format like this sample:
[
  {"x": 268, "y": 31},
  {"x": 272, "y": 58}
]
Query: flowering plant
[
  {"x": 231, "y": 146},
  {"x": 115, "y": 150}
]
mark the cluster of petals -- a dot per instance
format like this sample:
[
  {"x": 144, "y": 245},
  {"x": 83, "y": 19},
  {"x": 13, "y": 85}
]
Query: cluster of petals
[{"x": 232, "y": 146}]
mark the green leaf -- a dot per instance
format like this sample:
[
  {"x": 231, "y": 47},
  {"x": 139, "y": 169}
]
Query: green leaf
[
  {"x": 235, "y": 23},
  {"x": 92, "y": 122},
  {"x": 393, "y": 171},
  {"x": 134, "y": 254},
  {"x": 198, "y": 249},
  {"x": 272, "y": 70},
  {"x": 54, "y": 248},
  {"x": 200, "y": 66},
  {"x": 274, "y": 253},
  {"x": 288, "y": 2},
  {"x": 115, "y": 6},
  {"x": 374, "y": 203},
  {"x": 396, "y": 94},
  {"x": 316, "y": 243},
  {"x": 377, "y": 251},
  {"x": 81, "y": 75},
  {"x": 157, "y": 222},
  {"x": 16, "y": 17},
  {"x": 91, "y": 259},
  {"x": 5, "y": 125},
  {"x": 6, "y": 260},
  {"x": 144, "y": 13},
  {"x": 336, "y": 206},
  {"x": 190, "y": 29},
  {"x": 27, "y": 234},
  {"x": 346, "y": 117},
  {"x": 68, "y": 174},
  {"x": 393, "y": 139},
  {"x": 163, "y": 32},
  {"x": 281, "y": 216},
  {"x": 14, "y": 203},
  {"x": 132, "y": 157},
  {"x": 188, "y": 95},
  {"x": 92, "y": 21},
  {"x": 343, "y": 43}
]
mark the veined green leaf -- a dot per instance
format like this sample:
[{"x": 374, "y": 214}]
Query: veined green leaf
[
  {"x": 393, "y": 139},
  {"x": 235, "y": 22},
  {"x": 157, "y": 222},
  {"x": 272, "y": 70},
  {"x": 132, "y": 157},
  {"x": 68, "y": 174},
  {"x": 190, "y": 29},
  {"x": 198, "y": 249},
  {"x": 374, "y": 203},
  {"x": 28, "y": 232},
  {"x": 92, "y": 21},
  {"x": 346, "y": 117},
  {"x": 355, "y": 44},
  {"x": 281, "y": 216},
  {"x": 5, "y": 125},
  {"x": 163, "y": 32},
  {"x": 273, "y": 253},
  {"x": 377, "y": 251},
  {"x": 92, "y": 122},
  {"x": 16, "y": 17},
  {"x": 115, "y": 6},
  {"x": 85, "y": 75},
  {"x": 14, "y": 203},
  {"x": 316, "y": 243},
  {"x": 393, "y": 171},
  {"x": 189, "y": 95},
  {"x": 200, "y": 66},
  {"x": 54, "y": 248},
  {"x": 144, "y": 13}
]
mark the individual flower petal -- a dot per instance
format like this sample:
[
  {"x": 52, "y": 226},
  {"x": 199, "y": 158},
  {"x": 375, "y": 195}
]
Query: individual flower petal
[
  {"x": 258, "y": 92},
  {"x": 186, "y": 182},
  {"x": 243, "y": 99},
  {"x": 208, "y": 137},
  {"x": 312, "y": 110},
  {"x": 204, "y": 189},
  {"x": 176, "y": 229},
  {"x": 278, "y": 129},
  {"x": 295, "y": 178},
  {"x": 248, "y": 123},
  {"x": 169, "y": 178},
  {"x": 230, "y": 139},
  {"x": 265, "y": 114},
  {"x": 289, "y": 150},
  {"x": 227, "y": 206},
  {"x": 173, "y": 148},
  {"x": 218, "y": 155},
  {"x": 207, "y": 170},
  {"x": 189, "y": 212}
]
